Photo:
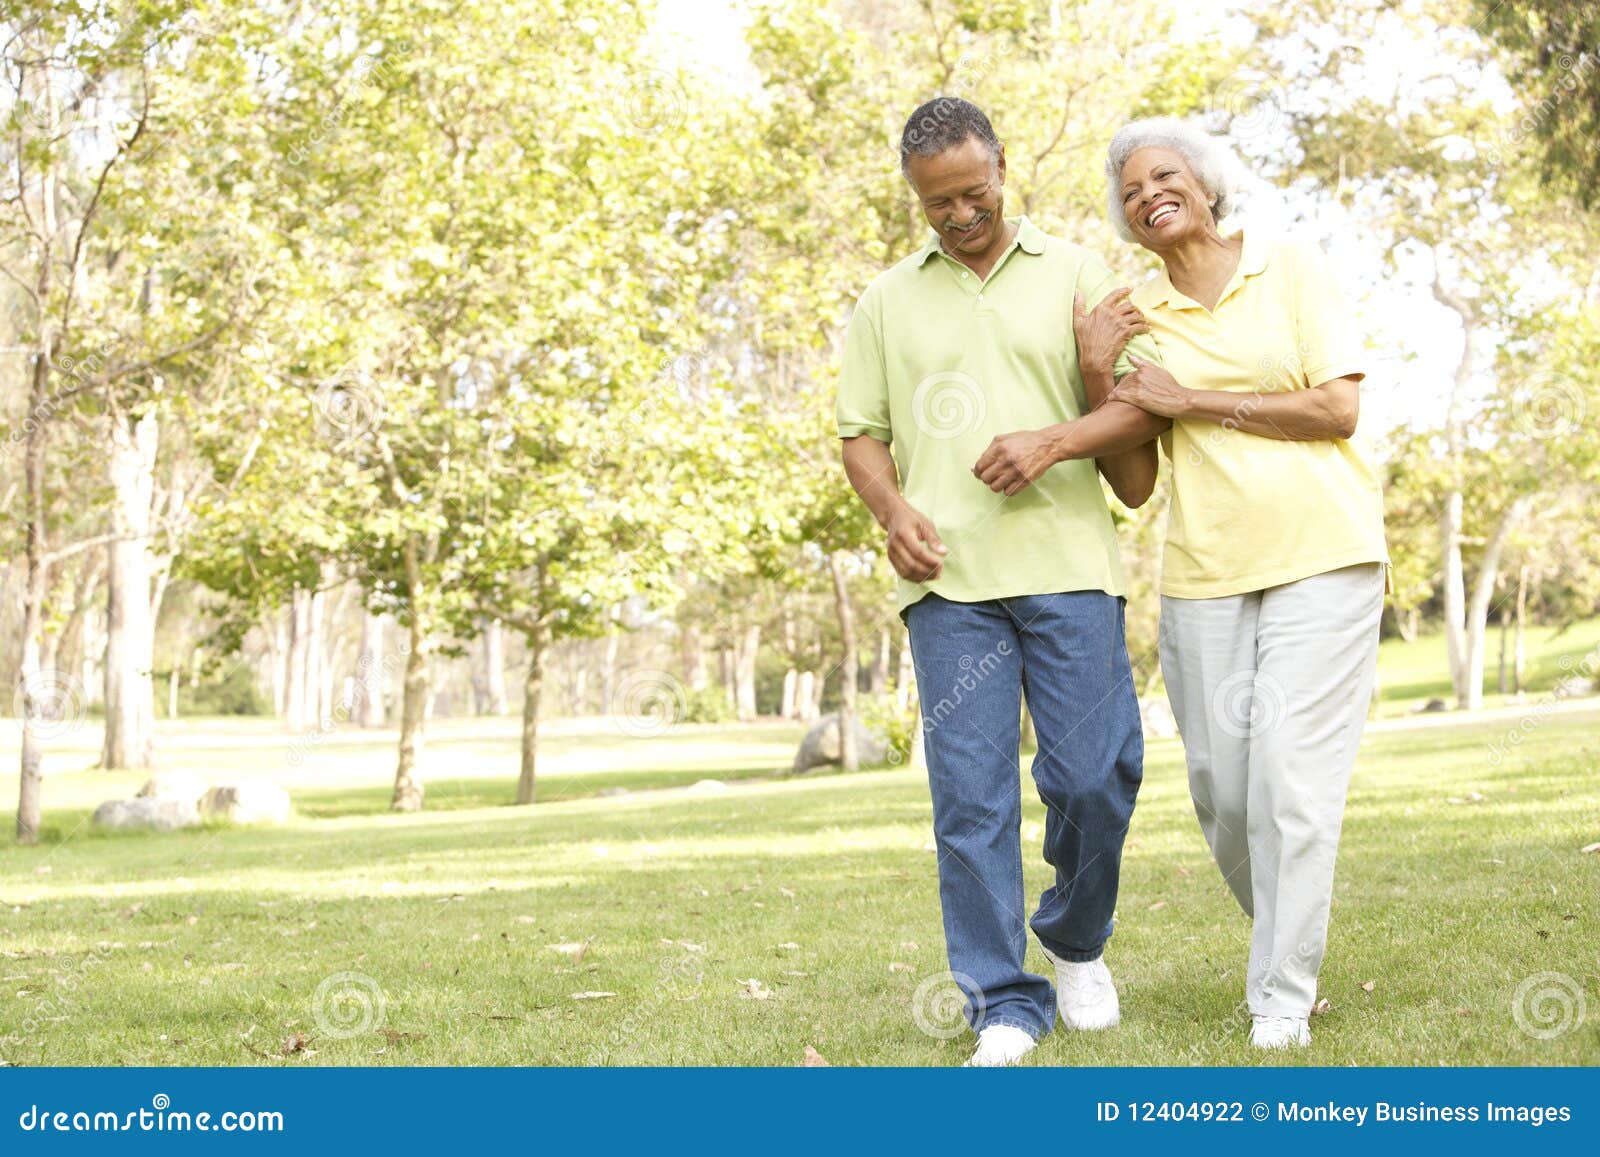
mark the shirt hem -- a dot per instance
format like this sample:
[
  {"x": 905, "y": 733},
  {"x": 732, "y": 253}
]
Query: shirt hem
[
  {"x": 1261, "y": 580},
  {"x": 1117, "y": 590}
]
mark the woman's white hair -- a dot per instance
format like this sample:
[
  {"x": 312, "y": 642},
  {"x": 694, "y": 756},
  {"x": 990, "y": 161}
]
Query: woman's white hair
[{"x": 1215, "y": 166}]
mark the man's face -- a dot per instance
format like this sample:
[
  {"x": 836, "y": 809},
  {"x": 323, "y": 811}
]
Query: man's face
[{"x": 962, "y": 194}]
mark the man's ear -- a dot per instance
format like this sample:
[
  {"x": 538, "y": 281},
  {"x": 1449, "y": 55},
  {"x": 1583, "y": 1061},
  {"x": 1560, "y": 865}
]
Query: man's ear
[{"x": 1000, "y": 164}]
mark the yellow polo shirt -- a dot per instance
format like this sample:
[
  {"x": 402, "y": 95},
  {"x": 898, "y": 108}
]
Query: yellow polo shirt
[{"x": 1250, "y": 512}]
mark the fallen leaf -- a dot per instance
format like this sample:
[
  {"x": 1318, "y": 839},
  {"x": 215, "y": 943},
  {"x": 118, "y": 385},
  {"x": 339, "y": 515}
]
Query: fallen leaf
[
  {"x": 1321, "y": 1007},
  {"x": 1185, "y": 872},
  {"x": 296, "y": 1043},
  {"x": 909, "y": 945},
  {"x": 395, "y": 1037},
  {"x": 1589, "y": 849},
  {"x": 1368, "y": 985},
  {"x": 899, "y": 966},
  {"x": 1157, "y": 906},
  {"x": 574, "y": 949},
  {"x": 786, "y": 892},
  {"x": 591, "y": 995},
  {"x": 1471, "y": 797},
  {"x": 788, "y": 946},
  {"x": 755, "y": 990},
  {"x": 814, "y": 1059}
]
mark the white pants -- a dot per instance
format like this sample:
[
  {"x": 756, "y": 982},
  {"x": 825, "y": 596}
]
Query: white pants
[{"x": 1270, "y": 691}]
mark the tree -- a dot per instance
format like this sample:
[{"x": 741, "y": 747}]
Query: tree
[{"x": 1555, "y": 47}]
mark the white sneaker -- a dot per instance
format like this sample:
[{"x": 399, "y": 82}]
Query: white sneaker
[
  {"x": 1000, "y": 1044},
  {"x": 1085, "y": 993},
  {"x": 1279, "y": 1032}
]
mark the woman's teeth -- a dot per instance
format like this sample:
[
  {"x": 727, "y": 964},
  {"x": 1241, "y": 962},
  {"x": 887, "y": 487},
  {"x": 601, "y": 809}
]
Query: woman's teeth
[{"x": 1160, "y": 213}]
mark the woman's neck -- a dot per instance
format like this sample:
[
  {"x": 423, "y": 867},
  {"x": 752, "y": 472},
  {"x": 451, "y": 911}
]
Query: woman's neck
[{"x": 1199, "y": 266}]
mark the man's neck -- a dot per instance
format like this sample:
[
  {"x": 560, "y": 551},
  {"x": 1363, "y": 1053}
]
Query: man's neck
[{"x": 983, "y": 263}]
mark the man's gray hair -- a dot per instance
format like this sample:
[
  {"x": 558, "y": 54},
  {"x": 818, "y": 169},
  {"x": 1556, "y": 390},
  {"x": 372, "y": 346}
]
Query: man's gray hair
[{"x": 1214, "y": 164}]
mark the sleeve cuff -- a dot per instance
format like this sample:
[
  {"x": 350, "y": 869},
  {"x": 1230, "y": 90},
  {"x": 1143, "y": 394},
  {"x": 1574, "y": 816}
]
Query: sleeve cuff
[
  {"x": 856, "y": 429},
  {"x": 1337, "y": 370}
]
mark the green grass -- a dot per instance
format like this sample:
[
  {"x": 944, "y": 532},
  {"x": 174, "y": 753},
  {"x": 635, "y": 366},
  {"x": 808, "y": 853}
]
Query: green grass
[
  {"x": 208, "y": 946},
  {"x": 1412, "y": 673}
]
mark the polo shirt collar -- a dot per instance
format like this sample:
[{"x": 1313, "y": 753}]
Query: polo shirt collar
[
  {"x": 1252, "y": 260},
  {"x": 1030, "y": 239}
]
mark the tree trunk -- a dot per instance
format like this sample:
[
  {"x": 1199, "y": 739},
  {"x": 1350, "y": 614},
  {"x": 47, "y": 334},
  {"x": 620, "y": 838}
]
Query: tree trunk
[
  {"x": 494, "y": 668},
  {"x": 879, "y": 680},
  {"x": 905, "y": 678},
  {"x": 294, "y": 667},
  {"x": 1505, "y": 632},
  {"x": 749, "y": 644},
  {"x": 130, "y": 633},
  {"x": 413, "y": 699},
  {"x": 369, "y": 685},
  {"x": 786, "y": 708},
  {"x": 692, "y": 652},
  {"x": 30, "y": 680},
  {"x": 849, "y": 662},
  {"x": 278, "y": 656},
  {"x": 805, "y": 696},
  {"x": 1453, "y": 593},
  {"x": 532, "y": 690},
  {"x": 1482, "y": 594},
  {"x": 1408, "y": 622},
  {"x": 1519, "y": 663},
  {"x": 316, "y": 675}
]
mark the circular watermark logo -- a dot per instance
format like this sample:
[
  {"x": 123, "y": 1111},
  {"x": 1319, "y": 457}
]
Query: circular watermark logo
[
  {"x": 1548, "y": 1004},
  {"x": 948, "y": 404},
  {"x": 348, "y": 1004},
  {"x": 940, "y": 1003},
  {"x": 647, "y": 703},
  {"x": 1249, "y": 703},
  {"x": 50, "y": 701}
]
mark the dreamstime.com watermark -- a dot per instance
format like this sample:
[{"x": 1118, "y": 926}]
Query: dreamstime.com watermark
[
  {"x": 370, "y": 681},
  {"x": 679, "y": 978},
  {"x": 974, "y": 672},
  {"x": 1576, "y": 674},
  {"x": 54, "y": 1005},
  {"x": 160, "y": 1117}
]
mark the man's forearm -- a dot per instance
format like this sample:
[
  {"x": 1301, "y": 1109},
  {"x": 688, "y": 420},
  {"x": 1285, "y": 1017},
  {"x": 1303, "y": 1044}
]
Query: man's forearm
[{"x": 871, "y": 470}]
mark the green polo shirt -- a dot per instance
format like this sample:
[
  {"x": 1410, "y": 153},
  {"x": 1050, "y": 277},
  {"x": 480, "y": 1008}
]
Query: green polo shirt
[{"x": 937, "y": 363}]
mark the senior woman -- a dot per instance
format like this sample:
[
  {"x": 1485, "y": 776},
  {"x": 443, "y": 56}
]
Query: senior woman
[{"x": 1275, "y": 566}]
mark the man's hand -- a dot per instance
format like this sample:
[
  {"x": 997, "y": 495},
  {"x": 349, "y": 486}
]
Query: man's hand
[
  {"x": 1152, "y": 389},
  {"x": 1102, "y": 332},
  {"x": 1015, "y": 461},
  {"x": 915, "y": 551}
]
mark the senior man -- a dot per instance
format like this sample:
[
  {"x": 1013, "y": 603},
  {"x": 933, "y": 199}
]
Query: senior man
[{"x": 958, "y": 357}]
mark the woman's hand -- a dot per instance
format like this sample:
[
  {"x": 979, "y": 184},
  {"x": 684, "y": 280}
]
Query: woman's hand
[
  {"x": 1153, "y": 390},
  {"x": 1102, "y": 332}
]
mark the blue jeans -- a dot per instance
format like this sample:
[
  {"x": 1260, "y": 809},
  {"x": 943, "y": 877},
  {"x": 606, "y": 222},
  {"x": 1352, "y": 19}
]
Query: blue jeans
[{"x": 974, "y": 661}]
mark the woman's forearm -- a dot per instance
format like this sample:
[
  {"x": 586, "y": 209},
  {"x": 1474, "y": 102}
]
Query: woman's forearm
[{"x": 1322, "y": 412}]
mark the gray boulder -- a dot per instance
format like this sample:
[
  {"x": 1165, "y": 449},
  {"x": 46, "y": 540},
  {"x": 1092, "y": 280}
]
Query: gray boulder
[
  {"x": 246, "y": 803},
  {"x": 820, "y": 747},
  {"x": 161, "y": 815}
]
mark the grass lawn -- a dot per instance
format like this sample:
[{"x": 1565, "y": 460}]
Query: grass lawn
[
  {"x": 1412, "y": 673},
  {"x": 743, "y": 925}
]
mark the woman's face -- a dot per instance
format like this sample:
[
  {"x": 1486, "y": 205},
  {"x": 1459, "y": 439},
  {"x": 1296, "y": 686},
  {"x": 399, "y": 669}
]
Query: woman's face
[{"x": 1163, "y": 201}]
